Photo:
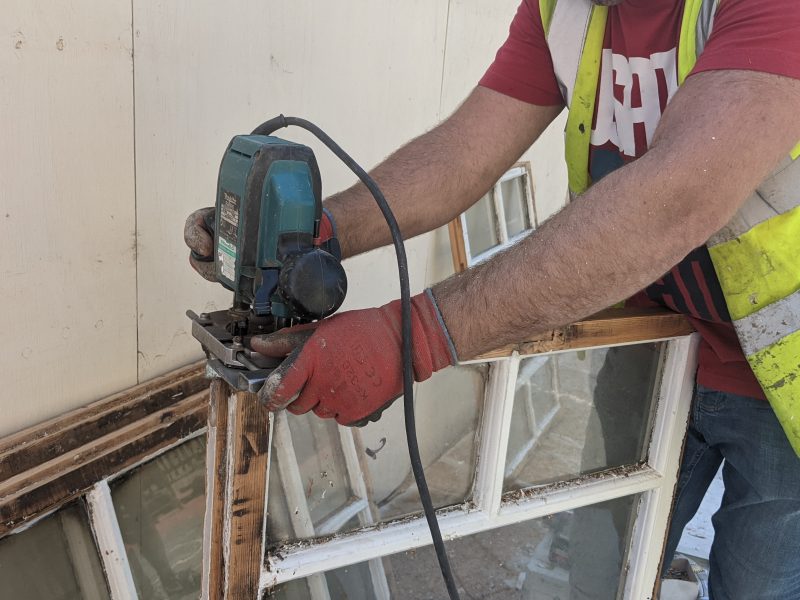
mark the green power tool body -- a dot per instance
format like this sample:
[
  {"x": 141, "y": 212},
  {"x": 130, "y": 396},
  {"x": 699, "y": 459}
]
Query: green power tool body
[{"x": 268, "y": 253}]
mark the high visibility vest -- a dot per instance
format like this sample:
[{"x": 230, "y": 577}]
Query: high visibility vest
[{"x": 756, "y": 255}]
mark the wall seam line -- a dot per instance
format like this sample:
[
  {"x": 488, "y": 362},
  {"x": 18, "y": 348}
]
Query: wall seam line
[
  {"x": 135, "y": 189},
  {"x": 444, "y": 60}
]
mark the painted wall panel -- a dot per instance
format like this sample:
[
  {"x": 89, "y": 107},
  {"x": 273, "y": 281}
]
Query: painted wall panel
[
  {"x": 368, "y": 72},
  {"x": 67, "y": 220},
  {"x": 475, "y": 31}
]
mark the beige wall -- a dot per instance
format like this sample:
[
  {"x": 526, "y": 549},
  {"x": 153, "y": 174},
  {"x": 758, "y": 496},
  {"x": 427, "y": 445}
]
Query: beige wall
[{"x": 114, "y": 117}]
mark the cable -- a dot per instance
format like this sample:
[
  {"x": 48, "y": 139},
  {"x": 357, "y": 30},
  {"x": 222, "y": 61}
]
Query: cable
[{"x": 269, "y": 127}]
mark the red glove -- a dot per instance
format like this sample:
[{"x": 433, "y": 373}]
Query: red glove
[{"x": 349, "y": 366}]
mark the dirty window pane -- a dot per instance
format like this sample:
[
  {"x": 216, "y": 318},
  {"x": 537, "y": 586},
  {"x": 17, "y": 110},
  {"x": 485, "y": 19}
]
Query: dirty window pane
[
  {"x": 160, "y": 508},
  {"x": 482, "y": 229},
  {"x": 448, "y": 410},
  {"x": 56, "y": 559},
  {"x": 581, "y": 412},
  {"x": 577, "y": 554},
  {"x": 448, "y": 448},
  {"x": 515, "y": 205}
]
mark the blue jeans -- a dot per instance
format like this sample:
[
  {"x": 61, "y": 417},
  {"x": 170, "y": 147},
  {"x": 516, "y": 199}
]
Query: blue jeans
[{"x": 756, "y": 550}]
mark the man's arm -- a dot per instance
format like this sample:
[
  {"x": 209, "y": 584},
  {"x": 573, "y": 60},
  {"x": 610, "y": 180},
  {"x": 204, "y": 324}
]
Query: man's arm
[
  {"x": 721, "y": 135},
  {"x": 438, "y": 175}
]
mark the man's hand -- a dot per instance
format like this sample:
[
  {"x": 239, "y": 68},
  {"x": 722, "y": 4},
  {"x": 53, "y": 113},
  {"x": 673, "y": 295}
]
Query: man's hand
[
  {"x": 349, "y": 366},
  {"x": 201, "y": 242}
]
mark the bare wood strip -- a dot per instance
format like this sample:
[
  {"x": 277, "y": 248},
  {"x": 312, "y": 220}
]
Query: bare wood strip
[
  {"x": 457, "y": 246},
  {"x": 609, "y": 327},
  {"x": 249, "y": 447},
  {"x": 43, "y": 442},
  {"x": 63, "y": 463},
  {"x": 216, "y": 478},
  {"x": 64, "y": 486}
]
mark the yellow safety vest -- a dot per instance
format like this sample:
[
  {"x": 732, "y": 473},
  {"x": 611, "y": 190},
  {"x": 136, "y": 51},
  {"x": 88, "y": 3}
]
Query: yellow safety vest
[{"x": 756, "y": 255}]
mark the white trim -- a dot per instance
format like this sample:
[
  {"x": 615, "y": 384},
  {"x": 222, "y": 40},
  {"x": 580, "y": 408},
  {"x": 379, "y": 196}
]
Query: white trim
[
  {"x": 296, "y": 500},
  {"x": 495, "y": 427},
  {"x": 103, "y": 520},
  {"x": 513, "y": 173},
  {"x": 341, "y": 516},
  {"x": 669, "y": 433},
  {"x": 399, "y": 536}
]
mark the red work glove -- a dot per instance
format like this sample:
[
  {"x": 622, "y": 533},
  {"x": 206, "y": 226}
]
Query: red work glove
[{"x": 349, "y": 366}]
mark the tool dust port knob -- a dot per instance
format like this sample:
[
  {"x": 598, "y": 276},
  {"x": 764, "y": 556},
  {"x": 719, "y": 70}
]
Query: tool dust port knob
[{"x": 313, "y": 283}]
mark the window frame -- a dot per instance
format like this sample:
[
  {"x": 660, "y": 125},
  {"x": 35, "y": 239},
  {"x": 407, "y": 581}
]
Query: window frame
[
  {"x": 459, "y": 236},
  {"x": 655, "y": 479}
]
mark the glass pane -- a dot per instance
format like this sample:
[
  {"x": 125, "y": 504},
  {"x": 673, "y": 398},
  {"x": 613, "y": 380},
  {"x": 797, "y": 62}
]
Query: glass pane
[
  {"x": 482, "y": 226},
  {"x": 581, "y": 412},
  {"x": 56, "y": 559},
  {"x": 576, "y": 555},
  {"x": 448, "y": 408},
  {"x": 160, "y": 508},
  {"x": 515, "y": 205}
]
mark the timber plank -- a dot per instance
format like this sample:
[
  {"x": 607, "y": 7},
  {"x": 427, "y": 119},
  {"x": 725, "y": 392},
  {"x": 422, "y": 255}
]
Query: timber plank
[
  {"x": 41, "y": 443},
  {"x": 216, "y": 479},
  {"x": 609, "y": 327},
  {"x": 57, "y": 486},
  {"x": 246, "y": 506}
]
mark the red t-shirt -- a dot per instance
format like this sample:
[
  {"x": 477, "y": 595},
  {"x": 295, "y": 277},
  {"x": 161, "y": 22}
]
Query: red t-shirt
[{"x": 638, "y": 77}]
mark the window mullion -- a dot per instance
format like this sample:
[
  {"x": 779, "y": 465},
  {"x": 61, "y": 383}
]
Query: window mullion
[
  {"x": 494, "y": 434},
  {"x": 105, "y": 526},
  {"x": 500, "y": 211},
  {"x": 356, "y": 473},
  {"x": 296, "y": 500},
  {"x": 669, "y": 432}
]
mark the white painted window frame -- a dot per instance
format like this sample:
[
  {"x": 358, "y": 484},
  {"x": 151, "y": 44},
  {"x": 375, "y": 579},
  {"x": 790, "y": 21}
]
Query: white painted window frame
[
  {"x": 654, "y": 480},
  {"x": 496, "y": 195}
]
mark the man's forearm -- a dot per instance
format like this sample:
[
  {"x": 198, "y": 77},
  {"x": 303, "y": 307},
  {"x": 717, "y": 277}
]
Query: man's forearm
[
  {"x": 441, "y": 173},
  {"x": 638, "y": 222}
]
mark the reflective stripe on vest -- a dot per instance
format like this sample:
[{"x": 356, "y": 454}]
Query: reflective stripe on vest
[{"x": 756, "y": 255}]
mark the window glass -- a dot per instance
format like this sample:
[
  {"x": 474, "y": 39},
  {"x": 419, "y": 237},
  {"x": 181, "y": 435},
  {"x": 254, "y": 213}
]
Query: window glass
[
  {"x": 581, "y": 412},
  {"x": 482, "y": 225},
  {"x": 515, "y": 205},
  {"x": 160, "y": 507},
  {"x": 574, "y": 554},
  {"x": 448, "y": 406},
  {"x": 56, "y": 559},
  {"x": 448, "y": 410},
  {"x": 318, "y": 449}
]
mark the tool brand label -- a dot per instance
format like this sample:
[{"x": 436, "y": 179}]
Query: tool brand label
[{"x": 228, "y": 234}]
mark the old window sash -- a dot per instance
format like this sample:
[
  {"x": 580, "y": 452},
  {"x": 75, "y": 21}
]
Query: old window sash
[
  {"x": 75, "y": 456},
  {"x": 497, "y": 218},
  {"x": 491, "y": 509}
]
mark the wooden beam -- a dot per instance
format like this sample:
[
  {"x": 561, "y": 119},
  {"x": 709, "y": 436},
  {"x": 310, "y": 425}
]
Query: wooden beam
[
  {"x": 612, "y": 326},
  {"x": 237, "y": 487},
  {"x": 457, "y": 246},
  {"x": 53, "y": 483},
  {"x": 36, "y": 445},
  {"x": 45, "y": 466}
]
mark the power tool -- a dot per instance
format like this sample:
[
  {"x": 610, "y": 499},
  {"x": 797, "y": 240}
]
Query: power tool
[{"x": 267, "y": 252}]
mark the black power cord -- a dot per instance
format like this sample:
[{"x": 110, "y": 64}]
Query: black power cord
[{"x": 269, "y": 127}]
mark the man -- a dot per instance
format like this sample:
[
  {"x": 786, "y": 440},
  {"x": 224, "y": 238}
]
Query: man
[{"x": 671, "y": 167}]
